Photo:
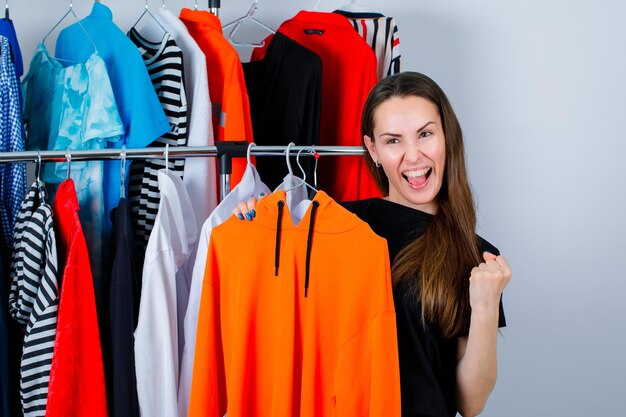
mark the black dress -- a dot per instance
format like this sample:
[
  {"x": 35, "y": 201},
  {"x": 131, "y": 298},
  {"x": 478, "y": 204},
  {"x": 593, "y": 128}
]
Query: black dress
[{"x": 427, "y": 359}]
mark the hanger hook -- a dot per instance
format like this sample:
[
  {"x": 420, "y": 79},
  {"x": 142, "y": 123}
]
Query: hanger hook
[
  {"x": 287, "y": 157},
  {"x": 300, "y": 166},
  {"x": 163, "y": 4},
  {"x": 316, "y": 155},
  {"x": 68, "y": 158},
  {"x": 248, "y": 153},
  {"x": 167, "y": 156},
  {"x": 195, "y": 6},
  {"x": 38, "y": 166},
  {"x": 123, "y": 171}
]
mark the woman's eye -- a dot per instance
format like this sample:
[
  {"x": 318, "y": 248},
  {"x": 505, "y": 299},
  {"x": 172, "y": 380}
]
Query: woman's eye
[
  {"x": 392, "y": 140},
  {"x": 425, "y": 134}
]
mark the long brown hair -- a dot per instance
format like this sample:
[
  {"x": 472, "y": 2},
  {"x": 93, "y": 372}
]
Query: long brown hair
[{"x": 436, "y": 267}]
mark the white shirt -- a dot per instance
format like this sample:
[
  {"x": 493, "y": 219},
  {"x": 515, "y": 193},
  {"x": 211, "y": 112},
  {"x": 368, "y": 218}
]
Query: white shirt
[
  {"x": 200, "y": 175},
  {"x": 249, "y": 186},
  {"x": 166, "y": 277}
]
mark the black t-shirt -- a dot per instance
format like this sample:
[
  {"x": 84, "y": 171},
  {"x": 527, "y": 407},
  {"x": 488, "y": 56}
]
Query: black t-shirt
[{"x": 427, "y": 359}]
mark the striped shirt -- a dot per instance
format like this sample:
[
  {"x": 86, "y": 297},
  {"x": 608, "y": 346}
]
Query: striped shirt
[
  {"x": 381, "y": 33},
  {"x": 164, "y": 61},
  {"x": 34, "y": 296}
]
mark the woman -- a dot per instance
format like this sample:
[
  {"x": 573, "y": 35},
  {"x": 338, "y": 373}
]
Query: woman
[{"x": 447, "y": 324}]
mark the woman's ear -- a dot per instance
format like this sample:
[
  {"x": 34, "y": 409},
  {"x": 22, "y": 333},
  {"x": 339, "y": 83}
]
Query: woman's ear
[{"x": 371, "y": 147}]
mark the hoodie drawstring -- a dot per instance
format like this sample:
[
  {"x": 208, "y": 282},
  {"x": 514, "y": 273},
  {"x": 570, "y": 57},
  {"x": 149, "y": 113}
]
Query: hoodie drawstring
[
  {"x": 309, "y": 241},
  {"x": 281, "y": 204}
]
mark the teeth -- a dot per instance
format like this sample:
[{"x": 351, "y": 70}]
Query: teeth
[{"x": 418, "y": 173}]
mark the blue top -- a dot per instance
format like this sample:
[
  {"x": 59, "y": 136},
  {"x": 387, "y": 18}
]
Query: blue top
[
  {"x": 12, "y": 176},
  {"x": 8, "y": 31},
  {"x": 138, "y": 105}
]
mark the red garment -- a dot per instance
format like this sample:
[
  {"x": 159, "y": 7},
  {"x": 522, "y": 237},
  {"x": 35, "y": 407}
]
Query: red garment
[
  {"x": 77, "y": 375},
  {"x": 348, "y": 74},
  {"x": 227, "y": 86}
]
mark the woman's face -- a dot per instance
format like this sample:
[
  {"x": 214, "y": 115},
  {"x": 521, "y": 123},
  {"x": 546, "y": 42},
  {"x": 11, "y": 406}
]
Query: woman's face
[{"x": 410, "y": 145}]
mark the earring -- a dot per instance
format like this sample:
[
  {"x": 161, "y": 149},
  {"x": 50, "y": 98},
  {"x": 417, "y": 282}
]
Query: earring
[{"x": 377, "y": 164}]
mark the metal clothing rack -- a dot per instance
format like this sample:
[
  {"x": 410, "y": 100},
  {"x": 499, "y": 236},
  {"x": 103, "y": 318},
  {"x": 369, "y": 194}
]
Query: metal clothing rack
[{"x": 225, "y": 151}]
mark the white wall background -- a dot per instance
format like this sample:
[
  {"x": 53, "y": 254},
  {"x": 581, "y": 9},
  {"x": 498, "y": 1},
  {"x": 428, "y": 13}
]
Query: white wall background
[{"x": 539, "y": 88}]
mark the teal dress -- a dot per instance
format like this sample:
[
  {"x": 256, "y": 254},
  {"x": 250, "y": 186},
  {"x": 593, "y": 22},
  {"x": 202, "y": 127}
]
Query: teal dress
[{"x": 71, "y": 105}]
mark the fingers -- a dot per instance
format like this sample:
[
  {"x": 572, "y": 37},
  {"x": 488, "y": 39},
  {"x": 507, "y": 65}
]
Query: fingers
[
  {"x": 246, "y": 209},
  {"x": 241, "y": 211},
  {"x": 504, "y": 267},
  {"x": 504, "y": 264},
  {"x": 496, "y": 266},
  {"x": 488, "y": 255}
]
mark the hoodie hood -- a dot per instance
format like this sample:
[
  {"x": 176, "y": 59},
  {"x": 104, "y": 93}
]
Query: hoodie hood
[
  {"x": 327, "y": 211},
  {"x": 273, "y": 212}
]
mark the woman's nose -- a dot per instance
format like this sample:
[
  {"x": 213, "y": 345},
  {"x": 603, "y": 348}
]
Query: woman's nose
[{"x": 412, "y": 152}]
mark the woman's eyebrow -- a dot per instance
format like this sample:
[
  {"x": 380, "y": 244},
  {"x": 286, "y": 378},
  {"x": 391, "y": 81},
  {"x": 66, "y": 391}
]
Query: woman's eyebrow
[
  {"x": 397, "y": 134},
  {"x": 424, "y": 127}
]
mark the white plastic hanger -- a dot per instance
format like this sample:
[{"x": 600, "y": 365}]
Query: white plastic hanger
[
  {"x": 297, "y": 196},
  {"x": 249, "y": 16},
  {"x": 248, "y": 154},
  {"x": 70, "y": 11},
  {"x": 287, "y": 160},
  {"x": 303, "y": 180},
  {"x": 148, "y": 12},
  {"x": 315, "y": 155}
]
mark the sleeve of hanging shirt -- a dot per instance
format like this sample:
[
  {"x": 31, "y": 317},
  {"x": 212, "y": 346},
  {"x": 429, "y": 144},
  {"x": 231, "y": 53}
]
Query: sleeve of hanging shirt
[
  {"x": 147, "y": 120},
  {"x": 367, "y": 375},
  {"x": 156, "y": 336},
  {"x": 235, "y": 123},
  {"x": 208, "y": 386}
]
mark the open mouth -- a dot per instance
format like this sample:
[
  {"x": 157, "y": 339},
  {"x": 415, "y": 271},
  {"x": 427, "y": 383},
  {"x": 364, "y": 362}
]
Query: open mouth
[{"x": 418, "y": 177}]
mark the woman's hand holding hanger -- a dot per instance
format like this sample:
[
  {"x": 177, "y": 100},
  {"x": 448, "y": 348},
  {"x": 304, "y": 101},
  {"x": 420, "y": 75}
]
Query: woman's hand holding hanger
[{"x": 245, "y": 209}]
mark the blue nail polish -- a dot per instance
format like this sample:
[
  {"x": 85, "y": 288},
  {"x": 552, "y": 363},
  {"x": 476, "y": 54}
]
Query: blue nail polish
[
  {"x": 253, "y": 213},
  {"x": 248, "y": 217},
  {"x": 239, "y": 216},
  {"x": 262, "y": 194}
]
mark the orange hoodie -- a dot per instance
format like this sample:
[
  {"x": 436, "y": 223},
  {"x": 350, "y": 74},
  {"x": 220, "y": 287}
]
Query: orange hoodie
[
  {"x": 296, "y": 320},
  {"x": 227, "y": 86}
]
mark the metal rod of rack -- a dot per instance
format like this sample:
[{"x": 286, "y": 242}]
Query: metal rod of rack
[
  {"x": 214, "y": 6},
  {"x": 174, "y": 152},
  {"x": 225, "y": 151}
]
